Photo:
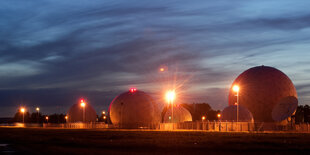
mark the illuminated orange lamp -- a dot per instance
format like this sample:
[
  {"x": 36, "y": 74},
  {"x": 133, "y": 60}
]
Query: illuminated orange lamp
[
  {"x": 104, "y": 117},
  {"x": 22, "y": 110},
  {"x": 66, "y": 117},
  {"x": 236, "y": 88},
  {"x": 218, "y": 115},
  {"x": 162, "y": 69},
  {"x": 203, "y": 118}
]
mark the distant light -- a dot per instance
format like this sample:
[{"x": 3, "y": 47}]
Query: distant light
[
  {"x": 22, "y": 110},
  {"x": 103, "y": 112},
  {"x": 82, "y": 104},
  {"x": 219, "y": 115},
  {"x": 236, "y": 88},
  {"x": 162, "y": 69},
  {"x": 203, "y": 118},
  {"x": 169, "y": 117},
  {"x": 37, "y": 109},
  {"x": 46, "y": 117},
  {"x": 104, "y": 117},
  {"x": 132, "y": 90},
  {"x": 66, "y": 117},
  {"x": 82, "y": 100}
]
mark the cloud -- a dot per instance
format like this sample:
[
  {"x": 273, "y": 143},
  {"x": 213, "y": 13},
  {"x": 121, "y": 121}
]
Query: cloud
[{"x": 67, "y": 49}]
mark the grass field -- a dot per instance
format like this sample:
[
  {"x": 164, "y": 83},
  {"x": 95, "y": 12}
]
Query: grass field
[{"x": 84, "y": 141}]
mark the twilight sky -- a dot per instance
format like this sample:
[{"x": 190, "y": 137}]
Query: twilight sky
[{"x": 54, "y": 52}]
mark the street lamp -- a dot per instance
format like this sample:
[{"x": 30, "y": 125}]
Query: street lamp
[
  {"x": 218, "y": 116},
  {"x": 103, "y": 112},
  {"x": 83, "y": 104},
  {"x": 236, "y": 89},
  {"x": 170, "y": 96},
  {"x": 66, "y": 118},
  {"x": 38, "y": 110},
  {"x": 46, "y": 118},
  {"x": 203, "y": 118},
  {"x": 22, "y": 110}
]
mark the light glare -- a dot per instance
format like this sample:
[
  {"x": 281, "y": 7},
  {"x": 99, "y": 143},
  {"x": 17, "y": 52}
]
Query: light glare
[
  {"x": 236, "y": 88},
  {"x": 170, "y": 96}
]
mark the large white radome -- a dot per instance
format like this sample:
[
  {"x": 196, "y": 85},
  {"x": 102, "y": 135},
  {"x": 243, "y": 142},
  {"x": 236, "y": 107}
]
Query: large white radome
[{"x": 134, "y": 110}]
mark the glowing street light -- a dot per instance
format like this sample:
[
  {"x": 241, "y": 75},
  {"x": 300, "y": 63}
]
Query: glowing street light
[
  {"x": 218, "y": 116},
  {"x": 203, "y": 118},
  {"x": 22, "y": 110},
  {"x": 104, "y": 117},
  {"x": 83, "y": 104},
  {"x": 66, "y": 118},
  {"x": 46, "y": 118},
  {"x": 103, "y": 112},
  {"x": 236, "y": 89},
  {"x": 170, "y": 96}
]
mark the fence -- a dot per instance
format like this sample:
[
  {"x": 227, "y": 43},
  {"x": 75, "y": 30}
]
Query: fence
[
  {"x": 91, "y": 125},
  {"x": 217, "y": 126},
  {"x": 236, "y": 126}
]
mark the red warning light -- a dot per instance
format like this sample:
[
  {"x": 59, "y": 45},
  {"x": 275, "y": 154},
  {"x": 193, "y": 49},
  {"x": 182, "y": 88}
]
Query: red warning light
[
  {"x": 82, "y": 100},
  {"x": 132, "y": 90}
]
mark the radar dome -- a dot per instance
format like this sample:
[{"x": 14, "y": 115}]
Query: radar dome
[
  {"x": 263, "y": 89},
  {"x": 75, "y": 113},
  {"x": 180, "y": 114},
  {"x": 230, "y": 114},
  {"x": 134, "y": 109}
]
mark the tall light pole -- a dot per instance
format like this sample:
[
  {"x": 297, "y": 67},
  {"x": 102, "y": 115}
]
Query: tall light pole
[
  {"x": 236, "y": 89},
  {"x": 38, "y": 110},
  {"x": 170, "y": 95},
  {"x": 22, "y": 110},
  {"x": 83, "y": 106}
]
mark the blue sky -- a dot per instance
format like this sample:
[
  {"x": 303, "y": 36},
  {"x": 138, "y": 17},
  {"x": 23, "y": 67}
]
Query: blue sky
[{"x": 54, "y": 52}]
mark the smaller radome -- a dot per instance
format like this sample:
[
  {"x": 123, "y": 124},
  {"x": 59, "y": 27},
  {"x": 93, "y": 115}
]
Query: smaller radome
[
  {"x": 180, "y": 114},
  {"x": 75, "y": 113},
  {"x": 230, "y": 114}
]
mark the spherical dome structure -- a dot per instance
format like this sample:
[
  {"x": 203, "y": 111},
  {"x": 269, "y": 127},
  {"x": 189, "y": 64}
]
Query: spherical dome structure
[
  {"x": 180, "y": 114},
  {"x": 75, "y": 113},
  {"x": 262, "y": 89},
  {"x": 134, "y": 109},
  {"x": 230, "y": 114}
]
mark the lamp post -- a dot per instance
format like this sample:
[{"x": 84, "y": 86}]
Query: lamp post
[
  {"x": 46, "y": 119},
  {"x": 38, "y": 110},
  {"x": 66, "y": 119},
  {"x": 236, "y": 89},
  {"x": 170, "y": 95},
  {"x": 83, "y": 106},
  {"x": 22, "y": 110}
]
